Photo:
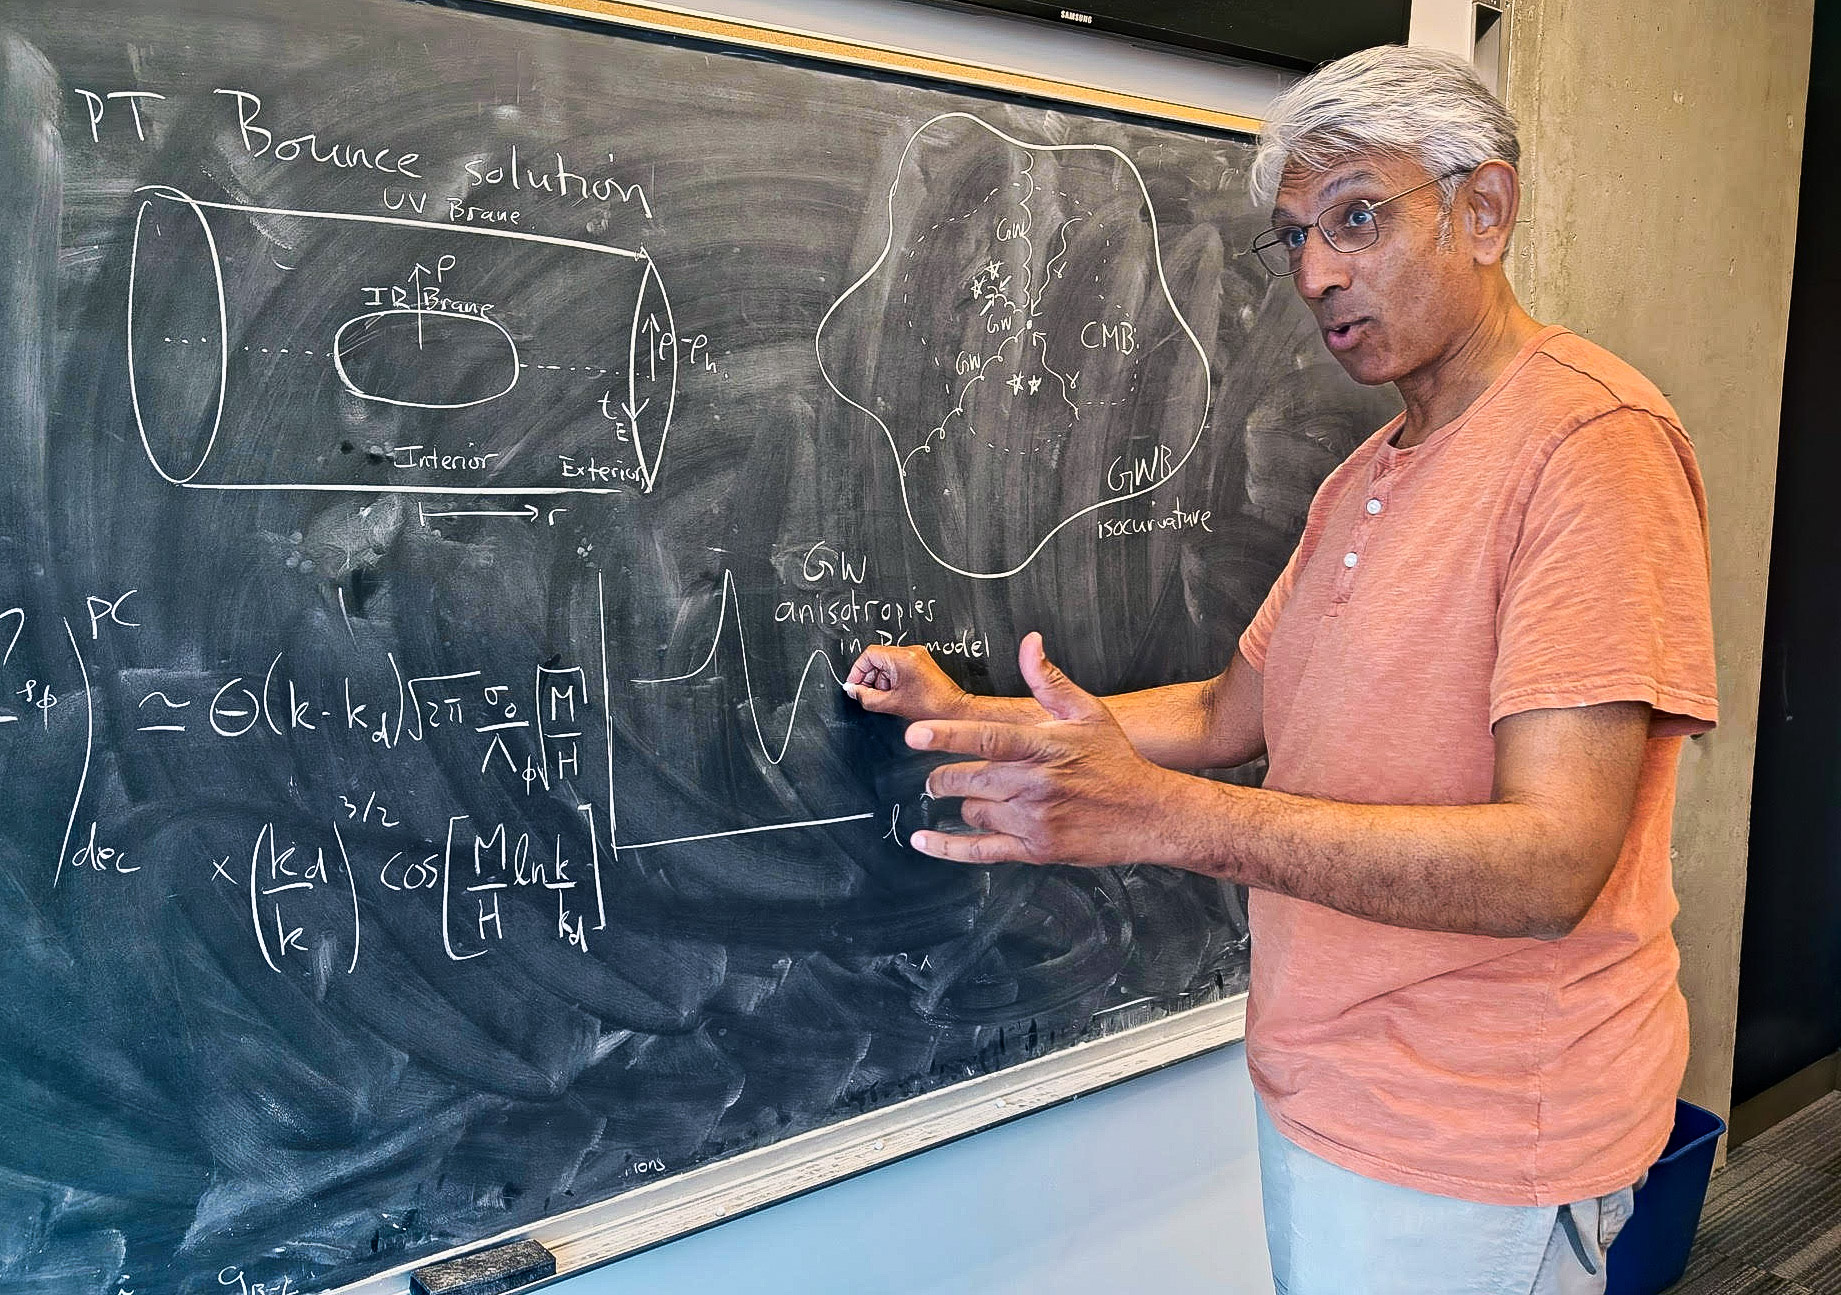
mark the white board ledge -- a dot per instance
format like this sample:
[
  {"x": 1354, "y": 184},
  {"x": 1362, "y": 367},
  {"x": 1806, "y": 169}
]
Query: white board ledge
[{"x": 699, "y": 1198}]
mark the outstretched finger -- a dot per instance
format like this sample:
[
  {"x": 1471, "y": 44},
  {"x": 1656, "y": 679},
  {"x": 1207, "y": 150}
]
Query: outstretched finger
[
  {"x": 981, "y": 778},
  {"x": 972, "y": 847},
  {"x": 987, "y": 741},
  {"x": 1000, "y": 816}
]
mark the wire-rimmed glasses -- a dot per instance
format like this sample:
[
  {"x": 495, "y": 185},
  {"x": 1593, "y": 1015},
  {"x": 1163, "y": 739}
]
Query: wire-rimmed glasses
[{"x": 1351, "y": 226}]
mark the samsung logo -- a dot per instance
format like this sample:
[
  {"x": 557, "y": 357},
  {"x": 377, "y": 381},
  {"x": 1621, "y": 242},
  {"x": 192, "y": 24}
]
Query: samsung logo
[{"x": 1069, "y": 15}]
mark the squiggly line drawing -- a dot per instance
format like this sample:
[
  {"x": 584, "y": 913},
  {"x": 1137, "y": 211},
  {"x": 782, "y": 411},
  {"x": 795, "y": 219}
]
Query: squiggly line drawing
[{"x": 1175, "y": 463}]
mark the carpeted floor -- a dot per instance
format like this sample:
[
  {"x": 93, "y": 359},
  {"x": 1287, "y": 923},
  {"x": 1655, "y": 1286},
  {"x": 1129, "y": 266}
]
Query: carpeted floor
[{"x": 1772, "y": 1223}]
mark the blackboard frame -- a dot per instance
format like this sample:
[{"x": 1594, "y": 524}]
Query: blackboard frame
[{"x": 685, "y": 1203}]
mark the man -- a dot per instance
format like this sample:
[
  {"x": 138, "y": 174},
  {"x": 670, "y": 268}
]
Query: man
[{"x": 1471, "y": 681}]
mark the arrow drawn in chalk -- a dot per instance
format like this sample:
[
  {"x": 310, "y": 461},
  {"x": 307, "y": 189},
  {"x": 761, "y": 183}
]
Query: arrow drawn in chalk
[
  {"x": 529, "y": 512},
  {"x": 416, "y": 276},
  {"x": 648, "y": 322}
]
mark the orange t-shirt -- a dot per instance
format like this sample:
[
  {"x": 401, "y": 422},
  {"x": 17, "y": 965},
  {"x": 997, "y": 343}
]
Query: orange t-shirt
[{"x": 1546, "y": 548}]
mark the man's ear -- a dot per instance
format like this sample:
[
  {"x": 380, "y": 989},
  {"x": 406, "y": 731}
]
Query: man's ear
[{"x": 1488, "y": 204}]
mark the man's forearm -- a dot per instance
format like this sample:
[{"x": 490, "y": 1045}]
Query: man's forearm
[
  {"x": 1079, "y": 790},
  {"x": 1173, "y": 726},
  {"x": 1497, "y": 869}
]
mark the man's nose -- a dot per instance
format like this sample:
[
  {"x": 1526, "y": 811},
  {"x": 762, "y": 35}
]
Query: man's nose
[{"x": 1320, "y": 266}]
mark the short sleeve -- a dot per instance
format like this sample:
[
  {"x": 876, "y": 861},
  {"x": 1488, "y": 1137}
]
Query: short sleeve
[
  {"x": 1607, "y": 596},
  {"x": 1258, "y": 635}
]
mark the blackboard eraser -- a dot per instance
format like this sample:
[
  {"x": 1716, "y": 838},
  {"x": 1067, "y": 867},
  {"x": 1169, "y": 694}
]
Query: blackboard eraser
[{"x": 486, "y": 1272}]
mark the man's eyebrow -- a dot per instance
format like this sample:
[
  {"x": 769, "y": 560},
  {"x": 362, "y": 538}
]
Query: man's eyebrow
[{"x": 1282, "y": 216}]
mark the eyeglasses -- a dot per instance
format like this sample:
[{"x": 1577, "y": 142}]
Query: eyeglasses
[{"x": 1349, "y": 226}]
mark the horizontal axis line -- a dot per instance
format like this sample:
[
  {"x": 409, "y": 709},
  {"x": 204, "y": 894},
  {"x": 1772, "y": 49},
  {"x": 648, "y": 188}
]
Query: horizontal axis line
[{"x": 745, "y": 831}]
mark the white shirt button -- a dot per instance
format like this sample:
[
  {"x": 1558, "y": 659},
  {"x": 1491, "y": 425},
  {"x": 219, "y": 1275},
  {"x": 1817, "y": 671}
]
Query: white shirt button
[
  {"x": 1374, "y": 506},
  {"x": 1350, "y": 559}
]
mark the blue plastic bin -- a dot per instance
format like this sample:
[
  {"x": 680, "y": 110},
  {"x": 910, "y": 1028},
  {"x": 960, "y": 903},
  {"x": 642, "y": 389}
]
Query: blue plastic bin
[{"x": 1651, "y": 1253}]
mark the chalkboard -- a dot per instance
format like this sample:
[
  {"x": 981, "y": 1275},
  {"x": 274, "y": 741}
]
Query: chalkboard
[{"x": 448, "y": 456}]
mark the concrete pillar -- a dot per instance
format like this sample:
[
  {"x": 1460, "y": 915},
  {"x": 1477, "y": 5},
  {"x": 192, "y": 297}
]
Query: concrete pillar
[{"x": 1662, "y": 146}]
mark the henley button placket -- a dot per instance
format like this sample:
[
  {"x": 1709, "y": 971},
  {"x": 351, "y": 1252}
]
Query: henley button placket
[{"x": 1372, "y": 508}]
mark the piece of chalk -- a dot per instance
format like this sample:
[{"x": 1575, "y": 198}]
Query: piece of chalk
[{"x": 486, "y": 1272}]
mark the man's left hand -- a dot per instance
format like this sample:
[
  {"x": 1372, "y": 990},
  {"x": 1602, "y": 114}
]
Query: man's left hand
[{"x": 1070, "y": 789}]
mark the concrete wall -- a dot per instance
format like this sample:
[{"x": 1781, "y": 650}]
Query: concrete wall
[
  {"x": 1152, "y": 1186},
  {"x": 1663, "y": 142},
  {"x": 1442, "y": 24}
]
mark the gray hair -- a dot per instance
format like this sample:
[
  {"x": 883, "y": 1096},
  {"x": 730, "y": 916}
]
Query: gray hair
[{"x": 1422, "y": 104}]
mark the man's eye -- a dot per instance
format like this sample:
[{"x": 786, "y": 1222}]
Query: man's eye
[
  {"x": 1291, "y": 237},
  {"x": 1357, "y": 217}
]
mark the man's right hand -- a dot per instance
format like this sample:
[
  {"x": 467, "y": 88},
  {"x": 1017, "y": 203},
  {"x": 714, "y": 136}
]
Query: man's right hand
[{"x": 904, "y": 681}]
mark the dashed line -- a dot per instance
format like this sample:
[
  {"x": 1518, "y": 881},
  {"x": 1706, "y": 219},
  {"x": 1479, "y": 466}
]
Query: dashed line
[{"x": 590, "y": 370}]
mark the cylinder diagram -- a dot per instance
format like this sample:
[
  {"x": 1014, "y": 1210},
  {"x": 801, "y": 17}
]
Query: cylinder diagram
[{"x": 278, "y": 349}]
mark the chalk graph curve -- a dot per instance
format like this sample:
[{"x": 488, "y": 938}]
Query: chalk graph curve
[
  {"x": 1163, "y": 282},
  {"x": 818, "y": 655}
]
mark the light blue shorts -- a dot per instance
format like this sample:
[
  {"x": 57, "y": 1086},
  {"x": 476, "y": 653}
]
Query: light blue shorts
[{"x": 1333, "y": 1232}]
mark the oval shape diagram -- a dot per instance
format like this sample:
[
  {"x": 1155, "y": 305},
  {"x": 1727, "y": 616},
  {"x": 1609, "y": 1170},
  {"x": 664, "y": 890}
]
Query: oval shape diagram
[
  {"x": 176, "y": 375},
  {"x": 420, "y": 342}
]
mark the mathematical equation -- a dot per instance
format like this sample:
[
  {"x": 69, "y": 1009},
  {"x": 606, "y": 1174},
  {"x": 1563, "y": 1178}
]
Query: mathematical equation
[{"x": 529, "y": 734}]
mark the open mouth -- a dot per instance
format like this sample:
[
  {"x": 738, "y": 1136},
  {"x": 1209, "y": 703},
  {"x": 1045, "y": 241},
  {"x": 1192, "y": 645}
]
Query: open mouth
[{"x": 1342, "y": 336}]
